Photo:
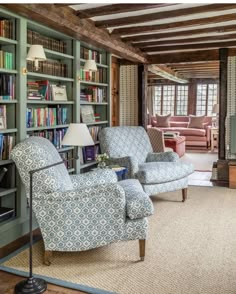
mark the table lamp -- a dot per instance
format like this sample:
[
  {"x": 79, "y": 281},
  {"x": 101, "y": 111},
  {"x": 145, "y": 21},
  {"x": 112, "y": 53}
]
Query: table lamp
[
  {"x": 36, "y": 53},
  {"x": 215, "y": 110}
]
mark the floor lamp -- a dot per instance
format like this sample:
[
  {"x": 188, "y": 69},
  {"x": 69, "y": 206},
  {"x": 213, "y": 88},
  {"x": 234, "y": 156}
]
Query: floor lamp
[{"x": 76, "y": 135}]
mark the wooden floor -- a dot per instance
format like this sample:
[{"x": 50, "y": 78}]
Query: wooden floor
[{"x": 8, "y": 282}]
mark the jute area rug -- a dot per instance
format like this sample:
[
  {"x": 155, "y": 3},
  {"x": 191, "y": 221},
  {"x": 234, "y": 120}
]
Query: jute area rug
[{"x": 190, "y": 250}]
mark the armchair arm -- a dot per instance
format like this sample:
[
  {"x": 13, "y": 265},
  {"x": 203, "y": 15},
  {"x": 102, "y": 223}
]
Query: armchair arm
[
  {"x": 163, "y": 156},
  {"x": 92, "y": 178},
  {"x": 130, "y": 162}
]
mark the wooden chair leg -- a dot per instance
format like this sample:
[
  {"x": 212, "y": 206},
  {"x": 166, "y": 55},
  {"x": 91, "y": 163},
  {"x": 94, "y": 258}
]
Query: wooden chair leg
[
  {"x": 184, "y": 194},
  {"x": 142, "y": 249},
  {"x": 47, "y": 257}
]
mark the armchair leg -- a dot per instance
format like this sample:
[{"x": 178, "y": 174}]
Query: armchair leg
[
  {"x": 184, "y": 194},
  {"x": 47, "y": 257},
  {"x": 142, "y": 249}
]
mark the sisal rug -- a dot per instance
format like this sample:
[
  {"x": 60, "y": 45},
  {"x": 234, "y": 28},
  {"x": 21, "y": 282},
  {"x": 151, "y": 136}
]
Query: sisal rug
[
  {"x": 200, "y": 178},
  {"x": 190, "y": 250}
]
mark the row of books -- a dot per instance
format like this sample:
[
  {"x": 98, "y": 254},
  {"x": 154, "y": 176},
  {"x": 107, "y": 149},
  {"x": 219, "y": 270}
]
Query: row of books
[
  {"x": 55, "y": 136},
  {"x": 86, "y": 53},
  {"x": 6, "y": 144},
  {"x": 89, "y": 153},
  {"x": 46, "y": 42},
  {"x": 98, "y": 77},
  {"x": 94, "y": 132},
  {"x": 6, "y": 59},
  {"x": 6, "y": 28},
  {"x": 46, "y": 117},
  {"x": 44, "y": 90},
  {"x": 67, "y": 157},
  {"x": 49, "y": 67},
  {"x": 3, "y": 117},
  {"x": 93, "y": 94},
  {"x": 7, "y": 87}
]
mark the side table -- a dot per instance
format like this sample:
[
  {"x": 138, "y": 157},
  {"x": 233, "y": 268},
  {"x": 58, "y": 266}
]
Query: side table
[{"x": 214, "y": 138}]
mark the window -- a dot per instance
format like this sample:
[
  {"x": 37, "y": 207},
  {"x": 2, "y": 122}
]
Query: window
[
  {"x": 171, "y": 99},
  {"x": 207, "y": 95}
]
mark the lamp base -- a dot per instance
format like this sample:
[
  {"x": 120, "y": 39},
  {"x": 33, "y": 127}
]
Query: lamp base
[{"x": 31, "y": 286}]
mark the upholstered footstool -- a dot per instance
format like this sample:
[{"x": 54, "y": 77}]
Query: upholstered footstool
[{"x": 177, "y": 144}]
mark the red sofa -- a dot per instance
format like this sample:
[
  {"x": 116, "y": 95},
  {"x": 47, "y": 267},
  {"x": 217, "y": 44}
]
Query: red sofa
[{"x": 193, "y": 136}]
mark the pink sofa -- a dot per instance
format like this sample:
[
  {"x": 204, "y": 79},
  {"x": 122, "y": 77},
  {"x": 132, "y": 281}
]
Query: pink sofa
[{"x": 193, "y": 136}]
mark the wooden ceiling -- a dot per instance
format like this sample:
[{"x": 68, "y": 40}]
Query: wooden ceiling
[{"x": 185, "y": 37}]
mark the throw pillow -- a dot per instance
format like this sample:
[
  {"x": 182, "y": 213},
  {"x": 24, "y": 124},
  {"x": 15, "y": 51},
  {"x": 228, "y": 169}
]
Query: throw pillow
[
  {"x": 196, "y": 122},
  {"x": 163, "y": 120}
]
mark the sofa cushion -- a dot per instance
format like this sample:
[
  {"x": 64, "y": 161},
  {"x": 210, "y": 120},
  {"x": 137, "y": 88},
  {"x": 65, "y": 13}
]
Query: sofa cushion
[
  {"x": 162, "y": 172},
  {"x": 176, "y": 124},
  {"x": 162, "y": 120},
  {"x": 138, "y": 203},
  {"x": 196, "y": 121}
]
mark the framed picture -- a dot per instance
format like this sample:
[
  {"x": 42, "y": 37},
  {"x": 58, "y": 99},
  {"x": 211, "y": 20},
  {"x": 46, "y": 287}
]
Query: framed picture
[
  {"x": 59, "y": 93},
  {"x": 2, "y": 123},
  {"x": 87, "y": 114}
]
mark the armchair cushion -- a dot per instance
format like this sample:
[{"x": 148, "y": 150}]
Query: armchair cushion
[
  {"x": 138, "y": 203},
  {"x": 97, "y": 177},
  {"x": 162, "y": 172},
  {"x": 163, "y": 156}
]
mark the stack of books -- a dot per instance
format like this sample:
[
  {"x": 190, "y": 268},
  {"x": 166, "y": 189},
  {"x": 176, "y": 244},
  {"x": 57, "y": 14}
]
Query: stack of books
[
  {"x": 6, "y": 144},
  {"x": 7, "y": 87}
]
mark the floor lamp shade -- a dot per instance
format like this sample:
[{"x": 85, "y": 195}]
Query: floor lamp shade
[{"x": 77, "y": 135}]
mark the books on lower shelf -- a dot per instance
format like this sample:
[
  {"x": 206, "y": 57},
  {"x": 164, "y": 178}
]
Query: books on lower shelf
[
  {"x": 3, "y": 117},
  {"x": 100, "y": 76},
  {"x": 49, "y": 67},
  {"x": 88, "y": 153},
  {"x": 94, "y": 130},
  {"x": 67, "y": 158},
  {"x": 7, "y": 87},
  {"x": 6, "y": 59},
  {"x": 46, "y": 117},
  {"x": 6, "y": 144}
]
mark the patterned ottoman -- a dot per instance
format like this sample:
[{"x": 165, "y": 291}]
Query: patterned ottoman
[{"x": 177, "y": 144}]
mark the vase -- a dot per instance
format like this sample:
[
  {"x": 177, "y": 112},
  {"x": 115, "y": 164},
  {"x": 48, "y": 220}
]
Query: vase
[{"x": 102, "y": 164}]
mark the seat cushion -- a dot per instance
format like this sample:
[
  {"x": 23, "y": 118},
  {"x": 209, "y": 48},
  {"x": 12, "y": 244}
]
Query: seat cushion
[
  {"x": 138, "y": 203},
  {"x": 163, "y": 172}
]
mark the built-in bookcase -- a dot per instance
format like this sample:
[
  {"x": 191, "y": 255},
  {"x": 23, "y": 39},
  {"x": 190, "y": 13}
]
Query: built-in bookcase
[{"x": 23, "y": 113}]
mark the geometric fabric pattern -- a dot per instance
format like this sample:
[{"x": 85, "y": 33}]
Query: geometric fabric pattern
[
  {"x": 130, "y": 147},
  {"x": 82, "y": 211}
]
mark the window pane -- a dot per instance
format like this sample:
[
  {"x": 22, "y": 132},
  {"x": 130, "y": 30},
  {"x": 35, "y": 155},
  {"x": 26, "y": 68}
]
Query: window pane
[
  {"x": 182, "y": 100},
  {"x": 168, "y": 99}
]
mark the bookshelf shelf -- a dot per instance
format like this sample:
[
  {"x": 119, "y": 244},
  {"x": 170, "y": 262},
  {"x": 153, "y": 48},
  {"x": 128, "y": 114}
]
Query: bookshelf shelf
[
  {"x": 8, "y": 101},
  {"x": 48, "y": 77},
  {"x": 97, "y": 123},
  {"x": 55, "y": 54},
  {"x": 71, "y": 170},
  {"x": 93, "y": 103},
  {"x": 8, "y": 131},
  {"x": 5, "y": 162},
  {"x": 46, "y": 102},
  {"x": 47, "y": 128},
  {"x": 85, "y": 165},
  {"x": 6, "y": 41},
  {"x": 98, "y": 64},
  {"x": 63, "y": 149},
  {"x": 8, "y": 71},
  {"x": 93, "y": 83},
  {"x": 4, "y": 192}
]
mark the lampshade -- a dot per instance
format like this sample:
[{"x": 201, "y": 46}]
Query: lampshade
[
  {"x": 90, "y": 65},
  {"x": 215, "y": 108},
  {"x": 36, "y": 52},
  {"x": 77, "y": 135}
]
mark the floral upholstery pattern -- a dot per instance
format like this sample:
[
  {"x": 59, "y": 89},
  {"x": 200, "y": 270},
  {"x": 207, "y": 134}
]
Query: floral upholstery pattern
[
  {"x": 82, "y": 211},
  {"x": 157, "y": 172}
]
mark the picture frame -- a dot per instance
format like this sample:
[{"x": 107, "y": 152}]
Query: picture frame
[
  {"x": 59, "y": 93},
  {"x": 87, "y": 114},
  {"x": 2, "y": 123}
]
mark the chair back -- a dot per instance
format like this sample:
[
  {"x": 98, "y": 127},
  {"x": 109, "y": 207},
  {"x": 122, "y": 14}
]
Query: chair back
[
  {"x": 38, "y": 152},
  {"x": 157, "y": 139},
  {"x": 125, "y": 141}
]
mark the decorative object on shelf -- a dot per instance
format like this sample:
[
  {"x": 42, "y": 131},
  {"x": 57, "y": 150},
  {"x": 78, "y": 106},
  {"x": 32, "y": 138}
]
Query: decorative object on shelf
[
  {"x": 59, "y": 93},
  {"x": 101, "y": 159},
  {"x": 36, "y": 54},
  {"x": 77, "y": 135},
  {"x": 87, "y": 114},
  {"x": 215, "y": 118}
]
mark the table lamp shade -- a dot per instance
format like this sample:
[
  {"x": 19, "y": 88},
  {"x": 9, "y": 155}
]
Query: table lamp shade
[
  {"x": 215, "y": 108},
  {"x": 77, "y": 135},
  {"x": 90, "y": 65},
  {"x": 36, "y": 52}
]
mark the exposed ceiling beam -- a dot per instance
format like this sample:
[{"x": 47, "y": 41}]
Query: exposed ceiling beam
[
  {"x": 162, "y": 15},
  {"x": 173, "y": 25},
  {"x": 116, "y": 8},
  {"x": 58, "y": 5},
  {"x": 190, "y": 46},
  {"x": 195, "y": 56},
  {"x": 64, "y": 20},
  {"x": 166, "y": 72},
  {"x": 216, "y": 29},
  {"x": 186, "y": 40}
]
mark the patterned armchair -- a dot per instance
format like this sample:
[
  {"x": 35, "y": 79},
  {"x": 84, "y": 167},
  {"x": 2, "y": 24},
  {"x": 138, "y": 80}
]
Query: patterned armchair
[
  {"x": 80, "y": 212},
  {"x": 157, "y": 172}
]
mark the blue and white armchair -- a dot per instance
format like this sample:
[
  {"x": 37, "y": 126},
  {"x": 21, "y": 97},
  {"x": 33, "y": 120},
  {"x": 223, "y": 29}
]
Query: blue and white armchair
[
  {"x": 84, "y": 211},
  {"x": 157, "y": 172}
]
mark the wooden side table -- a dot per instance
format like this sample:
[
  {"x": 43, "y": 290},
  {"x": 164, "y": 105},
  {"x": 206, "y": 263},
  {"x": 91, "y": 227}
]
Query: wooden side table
[{"x": 214, "y": 138}]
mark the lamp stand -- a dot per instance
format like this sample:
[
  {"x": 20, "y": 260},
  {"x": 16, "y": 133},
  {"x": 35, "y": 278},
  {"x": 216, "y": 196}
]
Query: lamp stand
[{"x": 33, "y": 285}]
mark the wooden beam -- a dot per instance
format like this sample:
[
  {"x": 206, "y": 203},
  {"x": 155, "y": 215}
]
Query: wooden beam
[
  {"x": 190, "y": 46},
  {"x": 195, "y": 56},
  {"x": 174, "y": 25},
  {"x": 59, "y": 5},
  {"x": 116, "y": 8},
  {"x": 185, "y": 40},
  {"x": 65, "y": 21},
  {"x": 163, "y": 15},
  {"x": 215, "y": 29},
  {"x": 165, "y": 72}
]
